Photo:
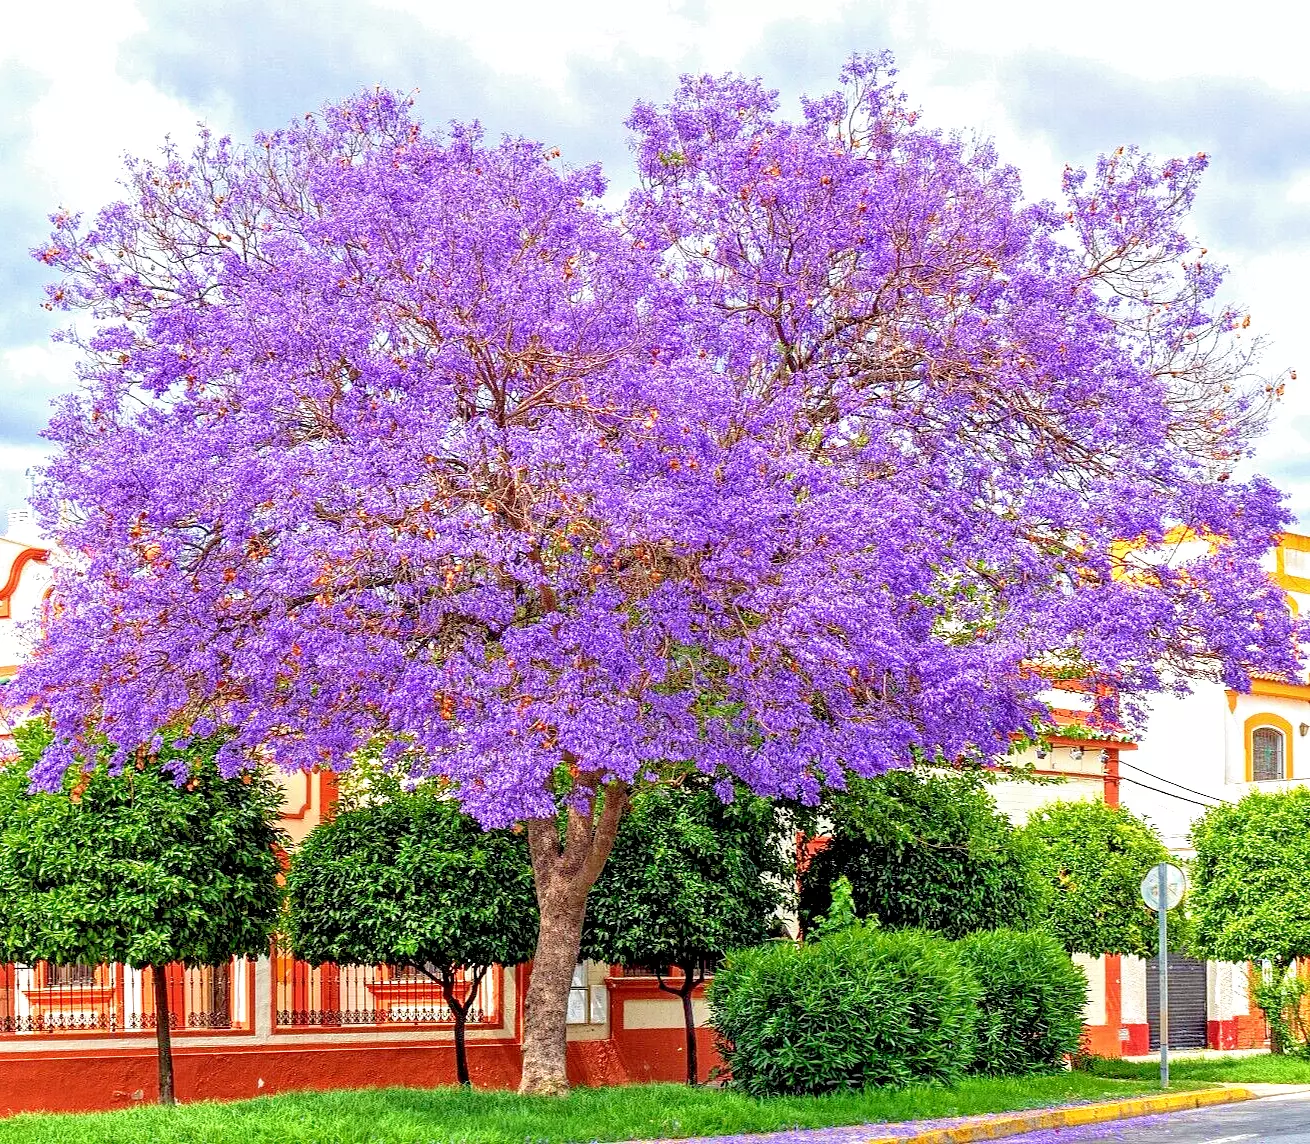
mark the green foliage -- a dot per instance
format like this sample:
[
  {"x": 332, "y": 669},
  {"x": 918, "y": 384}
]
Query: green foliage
[
  {"x": 411, "y": 880},
  {"x": 926, "y": 849},
  {"x": 1281, "y": 996},
  {"x": 585, "y": 1115},
  {"x": 1092, "y": 858},
  {"x": 1031, "y": 1004},
  {"x": 134, "y": 868},
  {"x": 690, "y": 877},
  {"x": 841, "y": 913},
  {"x": 1249, "y": 897},
  {"x": 862, "y": 1007},
  {"x": 407, "y": 878}
]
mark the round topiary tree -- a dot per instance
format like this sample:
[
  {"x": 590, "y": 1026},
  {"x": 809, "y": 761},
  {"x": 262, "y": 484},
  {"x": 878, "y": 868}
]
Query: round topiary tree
[
  {"x": 1249, "y": 900},
  {"x": 1092, "y": 858},
  {"x": 168, "y": 861},
  {"x": 408, "y": 879},
  {"x": 924, "y": 848},
  {"x": 689, "y": 878}
]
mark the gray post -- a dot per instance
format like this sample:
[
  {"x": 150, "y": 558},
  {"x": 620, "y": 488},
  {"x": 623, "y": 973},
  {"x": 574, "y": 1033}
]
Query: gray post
[{"x": 1162, "y": 874}]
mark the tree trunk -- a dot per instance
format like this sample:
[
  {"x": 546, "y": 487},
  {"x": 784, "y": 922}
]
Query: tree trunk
[
  {"x": 563, "y": 871},
  {"x": 689, "y": 983},
  {"x": 460, "y": 1011},
  {"x": 163, "y": 1036},
  {"x": 686, "y": 987}
]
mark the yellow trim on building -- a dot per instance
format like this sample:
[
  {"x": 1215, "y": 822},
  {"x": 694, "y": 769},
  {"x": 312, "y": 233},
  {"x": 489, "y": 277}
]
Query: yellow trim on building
[
  {"x": 1297, "y": 543},
  {"x": 1278, "y": 723}
]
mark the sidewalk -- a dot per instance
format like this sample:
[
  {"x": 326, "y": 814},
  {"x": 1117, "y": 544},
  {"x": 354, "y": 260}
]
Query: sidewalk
[{"x": 1196, "y": 1055}]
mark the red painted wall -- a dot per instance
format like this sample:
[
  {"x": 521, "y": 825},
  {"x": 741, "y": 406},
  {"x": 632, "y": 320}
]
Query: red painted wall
[
  {"x": 656, "y": 1054},
  {"x": 115, "y": 1078}
]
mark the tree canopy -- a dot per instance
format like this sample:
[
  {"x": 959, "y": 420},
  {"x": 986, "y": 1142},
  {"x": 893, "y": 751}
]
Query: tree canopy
[
  {"x": 409, "y": 879},
  {"x": 791, "y": 464},
  {"x": 1248, "y": 897},
  {"x": 1248, "y": 900},
  {"x": 1093, "y": 858},
  {"x": 925, "y": 849},
  {"x": 690, "y": 877},
  {"x": 168, "y": 861}
]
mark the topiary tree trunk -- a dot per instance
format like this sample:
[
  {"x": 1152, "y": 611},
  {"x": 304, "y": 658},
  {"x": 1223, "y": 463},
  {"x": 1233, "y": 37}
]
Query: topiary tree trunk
[
  {"x": 693, "y": 974},
  {"x": 163, "y": 1035},
  {"x": 459, "y": 1010}
]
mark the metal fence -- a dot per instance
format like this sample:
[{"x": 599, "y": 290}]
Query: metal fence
[
  {"x": 374, "y": 996},
  {"x": 105, "y": 1000}
]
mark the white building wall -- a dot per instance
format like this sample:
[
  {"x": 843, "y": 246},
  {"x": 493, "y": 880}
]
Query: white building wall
[
  {"x": 1081, "y": 781},
  {"x": 24, "y": 604},
  {"x": 1187, "y": 740},
  {"x": 1226, "y": 990},
  {"x": 1094, "y": 968},
  {"x": 1132, "y": 981}
]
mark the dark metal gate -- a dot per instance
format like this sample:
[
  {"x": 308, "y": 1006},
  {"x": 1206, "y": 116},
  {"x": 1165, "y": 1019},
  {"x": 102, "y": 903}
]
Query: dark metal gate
[{"x": 1187, "y": 1010}]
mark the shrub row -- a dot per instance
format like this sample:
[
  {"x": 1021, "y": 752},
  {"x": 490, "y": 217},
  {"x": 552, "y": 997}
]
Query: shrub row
[{"x": 869, "y": 1007}]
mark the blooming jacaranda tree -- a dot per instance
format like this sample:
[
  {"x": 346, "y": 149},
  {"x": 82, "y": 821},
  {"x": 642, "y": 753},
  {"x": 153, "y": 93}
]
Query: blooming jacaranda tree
[{"x": 798, "y": 464}]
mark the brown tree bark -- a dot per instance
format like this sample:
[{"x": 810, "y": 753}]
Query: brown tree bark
[
  {"x": 163, "y": 1036},
  {"x": 564, "y": 871}
]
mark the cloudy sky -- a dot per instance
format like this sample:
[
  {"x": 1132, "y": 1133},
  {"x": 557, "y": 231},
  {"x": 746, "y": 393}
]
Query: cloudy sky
[{"x": 83, "y": 82}]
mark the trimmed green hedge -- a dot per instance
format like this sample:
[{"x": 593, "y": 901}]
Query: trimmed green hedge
[
  {"x": 861, "y": 1007},
  {"x": 1030, "y": 1004}
]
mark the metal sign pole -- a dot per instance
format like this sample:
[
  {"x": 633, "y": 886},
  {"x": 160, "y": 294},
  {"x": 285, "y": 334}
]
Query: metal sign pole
[{"x": 1162, "y": 873}]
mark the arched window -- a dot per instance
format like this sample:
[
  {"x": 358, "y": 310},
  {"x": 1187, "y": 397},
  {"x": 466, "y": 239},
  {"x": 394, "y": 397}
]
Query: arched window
[{"x": 1268, "y": 754}]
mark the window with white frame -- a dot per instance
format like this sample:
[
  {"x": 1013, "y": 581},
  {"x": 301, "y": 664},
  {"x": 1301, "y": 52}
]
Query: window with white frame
[
  {"x": 1268, "y": 754},
  {"x": 588, "y": 999}
]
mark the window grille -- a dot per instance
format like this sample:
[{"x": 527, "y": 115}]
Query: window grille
[
  {"x": 372, "y": 996},
  {"x": 1268, "y": 754},
  {"x": 114, "y": 1000},
  {"x": 70, "y": 976}
]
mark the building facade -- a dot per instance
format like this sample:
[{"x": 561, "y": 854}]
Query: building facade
[
  {"x": 1211, "y": 746},
  {"x": 1216, "y": 745}
]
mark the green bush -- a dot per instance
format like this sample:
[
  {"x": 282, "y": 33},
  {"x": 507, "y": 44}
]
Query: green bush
[
  {"x": 860, "y": 1007},
  {"x": 1031, "y": 1002}
]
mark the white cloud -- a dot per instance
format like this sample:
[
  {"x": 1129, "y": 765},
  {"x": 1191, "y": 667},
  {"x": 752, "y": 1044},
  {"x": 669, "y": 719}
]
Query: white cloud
[
  {"x": 89, "y": 115},
  {"x": 955, "y": 58}
]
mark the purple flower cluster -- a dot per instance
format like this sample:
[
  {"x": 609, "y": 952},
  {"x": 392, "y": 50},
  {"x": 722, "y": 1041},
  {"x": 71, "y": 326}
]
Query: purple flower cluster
[{"x": 801, "y": 461}]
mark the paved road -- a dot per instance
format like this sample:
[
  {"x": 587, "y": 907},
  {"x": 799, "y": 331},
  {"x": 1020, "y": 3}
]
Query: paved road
[{"x": 1273, "y": 1119}]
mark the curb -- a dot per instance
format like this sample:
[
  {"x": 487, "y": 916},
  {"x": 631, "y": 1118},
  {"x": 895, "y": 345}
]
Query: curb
[{"x": 998, "y": 1127}]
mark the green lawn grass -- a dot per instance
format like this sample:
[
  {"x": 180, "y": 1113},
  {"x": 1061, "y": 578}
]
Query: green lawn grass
[
  {"x": 426, "y": 1116},
  {"x": 1262, "y": 1068}
]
